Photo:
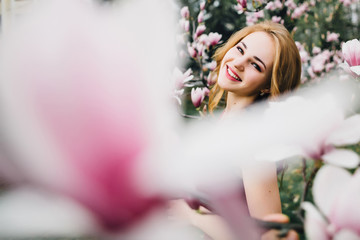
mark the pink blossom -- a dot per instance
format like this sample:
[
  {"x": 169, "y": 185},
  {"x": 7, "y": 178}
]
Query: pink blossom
[
  {"x": 347, "y": 3},
  {"x": 335, "y": 196},
  {"x": 185, "y": 13},
  {"x": 191, "y": 50},
  {"x": 316, "y": 50},
  {"x": 200, "y": 18},
  {"x": 276, "y": 19},
  {"x": 211, "y": 78},
  {"x": 185, "y": 24},
  {"x": 329, "y": 66},
  {"x": 242, "y": 3},
  {"x": 290, "y": 4},
  {"x": 202, "y": 5},
  {"x": 199, "y": 30},
  {"x": 214, "y": 38},
  {"x": 351, "y": 53},
  {"x": 198, "y": 96},
  {"x": 84, "y": 136},
  {"x": 332, "y": 37},
  {"x": 181, "y": 78},
  {"x": 259, "y": 14},
  {"x": 211, "y": 65},
  {"x": 324, "y": 140}
]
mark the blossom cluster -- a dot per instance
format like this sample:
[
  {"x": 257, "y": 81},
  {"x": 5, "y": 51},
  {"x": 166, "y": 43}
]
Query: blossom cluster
[{"x": 199, "y": 45}]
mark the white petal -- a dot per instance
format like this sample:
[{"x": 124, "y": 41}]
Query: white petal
[
  {"x": 356, "y": 70},
  {"x": 346, "y": 212},
  {"x": 328, "y": 182},
  {"x": 315, "y": 225},
  {"x": 346, "y": 234},
  {"x": 347, "y": 133},
  {"x": 31, "y": 213},
  {"x": 278, "y": 152},
  {"x": 342, "y": 158}
]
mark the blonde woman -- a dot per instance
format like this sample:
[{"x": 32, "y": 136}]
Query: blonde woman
[{"x": 258, "y": 62}]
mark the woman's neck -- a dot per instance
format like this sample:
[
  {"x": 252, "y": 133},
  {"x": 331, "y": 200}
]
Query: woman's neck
[{"x": 235, "y": 103}]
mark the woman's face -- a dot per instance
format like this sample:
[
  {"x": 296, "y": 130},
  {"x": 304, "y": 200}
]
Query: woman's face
[{"x": 246, "y": 68}]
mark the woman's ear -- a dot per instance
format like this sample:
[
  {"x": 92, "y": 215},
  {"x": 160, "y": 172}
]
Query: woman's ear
[{"x": 266, "y": 90}]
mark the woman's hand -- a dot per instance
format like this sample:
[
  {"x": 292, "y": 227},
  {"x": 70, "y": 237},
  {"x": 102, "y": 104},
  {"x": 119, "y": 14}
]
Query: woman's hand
[{"x": 273, "y": 234}]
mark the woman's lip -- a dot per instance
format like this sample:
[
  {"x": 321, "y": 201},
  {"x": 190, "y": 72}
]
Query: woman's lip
[{"x": 230, "y": 77}]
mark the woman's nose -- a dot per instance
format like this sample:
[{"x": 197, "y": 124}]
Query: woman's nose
[{"x": 239, "y": 63}]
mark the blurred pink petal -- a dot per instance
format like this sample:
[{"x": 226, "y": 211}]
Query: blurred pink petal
[
  {"x": 78, "y": 125},
  {"x": 347, "y": 133},
  {"x": 346, "y": 234},
  {"x": 324, "y": 196},
  {"x": 351, "y": 52},
  {"x": 342, "y": 158},
  {"x": 346, "y": 212},
  {"x": 315, "y": 225}
]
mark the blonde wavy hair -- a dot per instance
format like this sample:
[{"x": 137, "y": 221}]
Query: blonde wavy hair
[{"x": 286, "y": 71}]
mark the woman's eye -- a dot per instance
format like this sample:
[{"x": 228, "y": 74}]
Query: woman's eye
[
  {"x": 240, "y": 50},
  {"x": 257, "y": 67}
]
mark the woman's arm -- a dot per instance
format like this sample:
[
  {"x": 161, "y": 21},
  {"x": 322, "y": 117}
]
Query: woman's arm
[{"x": 261, "y": 189}]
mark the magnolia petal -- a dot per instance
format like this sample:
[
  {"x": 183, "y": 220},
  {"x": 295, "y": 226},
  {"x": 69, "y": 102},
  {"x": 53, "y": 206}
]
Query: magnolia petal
[
  {"x": 346, "y": 234},
  {"x": 278, "y": 152},
  {"x": 30, "y": 213},
  {"x": 315, "y": 225},
  {"x": 347, "y": 133},
  {"x": 342, "y": 158},
  {"x": 346, "y": 212},
  {"x": 328, "y": 182},
  {"x": 356, "y": 70}
]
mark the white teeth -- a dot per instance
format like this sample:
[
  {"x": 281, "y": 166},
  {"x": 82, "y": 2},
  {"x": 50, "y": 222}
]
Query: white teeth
[{"x": 232, "y": 74}]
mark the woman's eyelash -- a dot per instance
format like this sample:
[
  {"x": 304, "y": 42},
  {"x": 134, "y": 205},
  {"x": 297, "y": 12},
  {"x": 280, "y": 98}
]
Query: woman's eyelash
[
  {"x": 257, "y": 67},
  {"x": 240, "y": 50}
]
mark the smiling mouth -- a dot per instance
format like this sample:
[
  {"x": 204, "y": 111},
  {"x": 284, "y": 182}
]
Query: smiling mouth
[{"x": 232, "y": 75}]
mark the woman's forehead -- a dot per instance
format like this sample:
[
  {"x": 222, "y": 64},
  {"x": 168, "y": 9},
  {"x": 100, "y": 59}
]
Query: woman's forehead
[{"x": 260, "y": 44}]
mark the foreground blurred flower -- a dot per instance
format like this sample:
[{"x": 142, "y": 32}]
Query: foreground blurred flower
[
  {"x": 337, "y": 196},
  {"x": 319, "y": 143},
  {"x": 351, "y": 52},
  {"x": 76, "y": 127},
  {"x": 181, "y": 78}
]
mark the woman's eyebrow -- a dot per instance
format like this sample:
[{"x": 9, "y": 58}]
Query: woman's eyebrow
[{"x": 258, "y": 59}]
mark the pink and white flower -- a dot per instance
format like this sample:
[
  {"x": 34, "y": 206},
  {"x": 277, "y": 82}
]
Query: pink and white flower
[
  {"x": 332, "y": 37},
  {"x": 351, "y": 53},
  {"x": 198, "y": 96},
  {"x": 181, "y": 78},
  {"x": 185, "y": 13},
  {"x": 337, "y": 196}
]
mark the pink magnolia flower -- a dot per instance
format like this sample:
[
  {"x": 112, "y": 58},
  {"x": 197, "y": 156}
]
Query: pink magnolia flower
[
  {"x": 276, "y": 19},
  {"x": 76, "y": 127},
  {"x": 202, "y": 5},
  {"x": 336, "y": 195},
  {"x": 316, "y": 50},
  {"x": 211, "y": 65},
  {"x": 211, "y": 78},
  {"x": 214, "y": 38},
  {"x": 321, "y": 143},
  {"x": 332, "y": 37},
  {"x": 181, "y": 78},
  {"x": 185, "y": 24},
  {"x": 199, "y": 30},
  {"x": 351, "y": 53},
  {"x": 185, "y": 13},
  {"x": 200, "y": 18},
  {"x": 191, "y": 50},
  {"x": 198, "y": 96},
  {"x": 242, "y": 3}
]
